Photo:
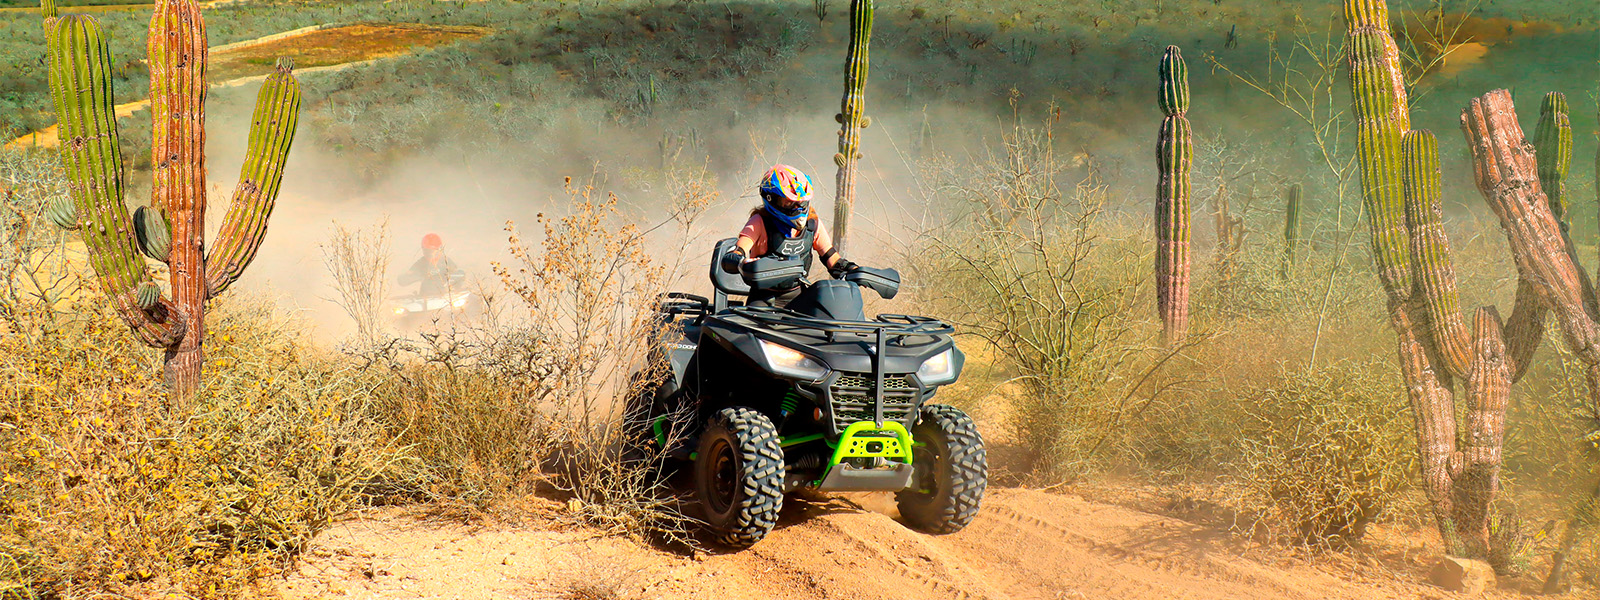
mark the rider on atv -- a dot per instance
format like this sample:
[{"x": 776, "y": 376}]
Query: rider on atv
[
  {"x": 784, "y": 227},
  {"x": 435, "y": 271}
]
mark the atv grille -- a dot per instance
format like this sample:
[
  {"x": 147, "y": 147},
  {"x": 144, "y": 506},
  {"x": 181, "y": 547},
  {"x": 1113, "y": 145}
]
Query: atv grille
[{"x": 852, "y": 397}]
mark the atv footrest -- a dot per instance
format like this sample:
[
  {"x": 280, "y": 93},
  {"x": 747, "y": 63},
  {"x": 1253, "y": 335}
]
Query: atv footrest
[{"x": 846, "y": 478}]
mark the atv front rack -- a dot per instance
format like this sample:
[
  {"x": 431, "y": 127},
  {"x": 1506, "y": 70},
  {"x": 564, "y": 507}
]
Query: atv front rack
[{"x": 889, "y": 326}]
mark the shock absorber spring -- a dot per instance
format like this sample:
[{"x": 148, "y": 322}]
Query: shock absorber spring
[{"x": 791, "y": 402}]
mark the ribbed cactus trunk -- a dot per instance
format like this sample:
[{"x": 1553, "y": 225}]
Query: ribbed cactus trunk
[
  {"x": 1400, "y": 186},
  {"x": 178, "y": 52},
  {"x": 1291, "y": 231},
  {"x": 852, "y": 119},
  {"x": 1174, "y": 158},
  {"x": 173, "y": 231}
]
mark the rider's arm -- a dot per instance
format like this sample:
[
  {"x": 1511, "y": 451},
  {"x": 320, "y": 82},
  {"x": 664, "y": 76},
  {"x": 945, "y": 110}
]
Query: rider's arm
[
  {"x": 823, "y": 244},
  {"x": 836, "y": 263},
  {"x": 752, "y": 233}
]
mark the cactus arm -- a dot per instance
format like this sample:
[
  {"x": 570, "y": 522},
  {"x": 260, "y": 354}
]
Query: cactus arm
[
  {"x": 80, "y": 84},
  {"x": 1430, "y": 252},
  {"x": 1525, "y": 328},
  {"x": 271, "y": 133},
  {"x": 51, "y": 14},
  {"x": 852, "y": 118},
  {"x": 1382, "y": 119},
  {"x": 1507, "y": 176},
  {"x": 177, "y": 47},
  {"x": 1552, "y": 142},
  {"x": 1174, "y": 157}
]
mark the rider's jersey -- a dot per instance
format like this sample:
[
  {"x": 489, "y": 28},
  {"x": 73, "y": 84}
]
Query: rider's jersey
[
  {"x": 758, "y": 230},
  {"x": 436, "y": 277}
]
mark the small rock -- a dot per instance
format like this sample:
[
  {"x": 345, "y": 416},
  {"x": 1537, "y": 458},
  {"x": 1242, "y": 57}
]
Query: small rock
[
  {"x": 1462, "y": 575},
  {"x": 507, "y": 560}
]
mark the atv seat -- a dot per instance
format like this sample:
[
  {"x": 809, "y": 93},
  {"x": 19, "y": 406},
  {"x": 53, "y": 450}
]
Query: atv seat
[{"x": 726, "y": 284}]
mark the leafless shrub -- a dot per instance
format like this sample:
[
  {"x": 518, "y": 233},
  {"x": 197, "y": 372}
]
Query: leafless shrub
[
  {"x": 358, "y": 260},
  {"x": 34, "y": 275}
]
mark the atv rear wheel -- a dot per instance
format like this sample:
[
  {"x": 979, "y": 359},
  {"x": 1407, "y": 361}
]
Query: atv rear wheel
[
  {"x": 952, "y": 471},
  {"x": 739, "y": 476}
]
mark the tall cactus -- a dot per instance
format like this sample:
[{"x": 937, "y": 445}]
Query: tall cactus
[
  {"x": 1438, "y": 347},
  {"x": 1174, "y": 157},
  {"x": 852, "y": 118},
  {"x": 1291, "y": 230},
  {"x": 173, "y": 228}
]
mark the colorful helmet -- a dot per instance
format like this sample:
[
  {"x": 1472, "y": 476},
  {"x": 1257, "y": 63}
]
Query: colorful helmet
[
  {"x": 784, "y": 182},
  {"x": 432, "y": 241}
]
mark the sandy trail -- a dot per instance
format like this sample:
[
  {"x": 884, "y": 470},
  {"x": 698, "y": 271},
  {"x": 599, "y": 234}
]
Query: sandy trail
[{"x": 1025, "y": 545}]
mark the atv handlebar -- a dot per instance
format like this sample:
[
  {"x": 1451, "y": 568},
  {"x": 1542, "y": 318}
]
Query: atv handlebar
[
  {"x": 772, "y": 273},
  {"x": 681, "y": 303}
]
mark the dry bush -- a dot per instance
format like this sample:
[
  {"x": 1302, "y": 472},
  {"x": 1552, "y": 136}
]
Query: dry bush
[
  {"x": 105, "y": 490},
  {"x": 1325, "y": 453},
  {"x": 590, "y": 297},
  {"x": 534, "y": 400},
  {"x": 1031, "y": 264}
]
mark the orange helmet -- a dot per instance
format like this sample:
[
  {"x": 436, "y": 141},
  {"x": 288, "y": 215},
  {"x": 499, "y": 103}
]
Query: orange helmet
[{"x": 432, "y": 241}]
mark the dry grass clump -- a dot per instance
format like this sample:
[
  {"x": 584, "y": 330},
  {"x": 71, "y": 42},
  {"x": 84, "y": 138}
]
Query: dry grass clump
[
  {"x": 1325, "y": 453},
  {"x": 105, "y": 490}
]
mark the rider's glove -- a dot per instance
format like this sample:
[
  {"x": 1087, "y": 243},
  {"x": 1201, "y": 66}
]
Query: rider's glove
[
  {"x": 732, "y": 260},
  {"x": 840, "y": 268}
]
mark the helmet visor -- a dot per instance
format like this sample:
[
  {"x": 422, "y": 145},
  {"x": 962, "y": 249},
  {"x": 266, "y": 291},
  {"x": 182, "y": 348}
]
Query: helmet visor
[{"x": 792, "y": 208}]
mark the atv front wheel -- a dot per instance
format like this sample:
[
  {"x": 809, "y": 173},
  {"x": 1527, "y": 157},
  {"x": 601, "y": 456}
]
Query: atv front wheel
[
  {"x": 952, "y": 471},
  {"x": 739, "y": 476}
]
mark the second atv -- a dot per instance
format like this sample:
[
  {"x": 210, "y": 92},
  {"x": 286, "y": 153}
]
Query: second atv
[{"x": 764, "y": 401}]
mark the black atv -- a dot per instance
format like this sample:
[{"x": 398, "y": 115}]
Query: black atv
[{"x": 769, "y": 400}]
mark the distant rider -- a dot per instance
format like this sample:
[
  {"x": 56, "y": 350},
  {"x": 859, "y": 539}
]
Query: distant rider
[
  {"x": 435, "y": 271},
  {"x": 784, "y": 217}
]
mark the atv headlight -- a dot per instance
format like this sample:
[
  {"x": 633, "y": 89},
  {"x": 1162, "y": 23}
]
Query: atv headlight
[
  {"x": 792, "y": 363},
  {"x": 399, "y": 310},
  {"x": 940, "y": 369}
]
